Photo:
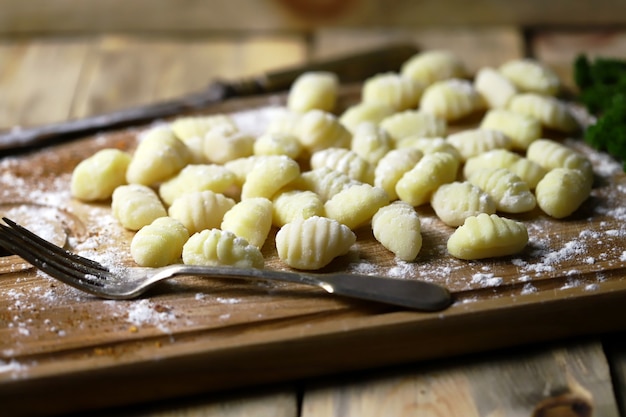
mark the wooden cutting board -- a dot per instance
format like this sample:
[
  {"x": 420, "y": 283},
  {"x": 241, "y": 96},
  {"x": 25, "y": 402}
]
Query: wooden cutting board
[{"x": 72, "y": 351}]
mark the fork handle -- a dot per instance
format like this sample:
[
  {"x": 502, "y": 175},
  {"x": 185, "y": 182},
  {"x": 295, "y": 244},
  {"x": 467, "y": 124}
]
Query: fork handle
[{"x": 413, "y": 294}]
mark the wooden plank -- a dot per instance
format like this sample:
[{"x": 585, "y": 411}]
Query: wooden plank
[
  {"x": 477, "y": 47},
  {"x": 572, "y": 380},
  {"x": 92, "y": 16},
  {"x": 615, "y": 347},
  {"x": 129, "y": 71},
  {"x": 38, "y": 79}
]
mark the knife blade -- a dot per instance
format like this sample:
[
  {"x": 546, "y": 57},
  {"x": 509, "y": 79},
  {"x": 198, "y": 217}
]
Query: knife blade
[{"x": 349, "y": 69}]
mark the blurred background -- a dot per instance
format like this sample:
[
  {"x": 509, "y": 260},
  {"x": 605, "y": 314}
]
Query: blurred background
[{"x": 63, "y": 59}]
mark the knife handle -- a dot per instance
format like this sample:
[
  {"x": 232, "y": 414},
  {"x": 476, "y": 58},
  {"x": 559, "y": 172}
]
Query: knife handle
[{"x": 349, "y": 69}]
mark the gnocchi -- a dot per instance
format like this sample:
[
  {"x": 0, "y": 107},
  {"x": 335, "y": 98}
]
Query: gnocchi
[
  {"x": 429, "y": 145},
  {"x": 345, "y": 161},
  {"x": 136, "y": 205},
  {"x": 355, "y": 206},
  {"x": 223, "y": 144},
  {"x": 529, "y": 171},
  {"x": 522, "y": 129},
  {"x": 473, "y": 142},
  {"x": 562, "y": 191},
  {"x": 363, "y": 112},
  {"x": 552, "y": 112},
  {"x": 214, "y": 247},
  {"x": 313, "y": 90},
  {"x": 371, "y": 142},
  {"x": 451, "y": 99},
  {"x": 325, "y": 182},
  {"x": 318, "y": 130},
  {"x": 431, "y": 66},
  {"x": 250, "y": 219},
  {"x": 286, "y": 144},
  {"x": 397, "y": 227},
  {"x": 187, "y": 128},
  {"x": 417, "y": 185},
  {"x": 160, "y": 243},
  {"x": 268, "y": 176},
  {"x": 487, "y": 236},
  {"x": 529, "y": 75},
  {"x": 292, "y": 204},
  {"x": 551, "y": 154},
  {"x": 456, "y": 201},
  {"x": 495, "y": 89},
  {"x": 393, "y": 166},
  {"x": 96, "y": 177},
  {"x": 510, "y": 193},
  {"x": 413, "y": 123},
  {"x": 392, "y": 89},
  {"x": 198, "y": 177},
  {"x": 200, "y": 210},
  {"x": 313, "y": 243}
]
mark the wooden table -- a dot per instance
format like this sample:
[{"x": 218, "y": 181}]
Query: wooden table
[{"x": 60, "y": 74}]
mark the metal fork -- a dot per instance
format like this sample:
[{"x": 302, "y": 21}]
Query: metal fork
[{"x": 130, "y": 282}]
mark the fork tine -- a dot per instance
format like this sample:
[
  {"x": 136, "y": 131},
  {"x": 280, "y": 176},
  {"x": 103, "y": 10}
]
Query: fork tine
[{"x": 46, "y": 256}]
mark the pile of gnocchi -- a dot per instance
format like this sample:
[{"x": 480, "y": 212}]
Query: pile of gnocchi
[{"x": 200, "y": 190}]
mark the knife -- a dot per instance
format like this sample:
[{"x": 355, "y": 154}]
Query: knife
[{"x": 349, "y": 69}]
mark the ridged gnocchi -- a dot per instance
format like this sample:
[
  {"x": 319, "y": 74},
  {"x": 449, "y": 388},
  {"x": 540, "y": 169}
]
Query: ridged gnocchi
[
  {"x": 451, "y": 99},
  {"x": 394, "y": 90},
  {"x": 456, "y": 201},
  {"x": 313, "y": 243},
  {"x": 414, "y": 123},
  {"x": 96, "y": 177},
  {"x": 472, "y": 142},
  {"x": 529, "y": 75},
  {"x": 345, "y": 161},
  {"x": 417, "y": 185},
  {"x": 250, "y": 219},
  {"x": 318, "y": 130},
  {"x": 522, "y": 129},
  {"x": 325, "y": 182},
  {"x": 529, "y": 171},
  {"x": 223, "y": 144},
  {"x": 186, "y": 128},
  {"x": 160, "y": 243},
  {"x": 268, "y": 176},
  {"x": 276, "y": 143},
  {"x": 393, "y": 166},
  {"x": 562, "y": 191},
  {"x": 158, "y": 157},
  {"x": 200, "y": 210},
  {"x": 510, "y": 193},
  {"x": 495, "y": 89},
  {"x": 430, "y": 66},
  {"x": 552, "y": 112},
  {"x": 487, "y": 236},
  {"x": 363, "y": 112},
  {"x": 551, "y": 154},
  {"x": 292, "y": 204},
  {"x": 371, "y": 142},
  {"x": 429, "y": 145},
  {"x": 313, "y": 90},
  {"x": 196, "y": 177},
  {"x": 214, "y": 247},
  {"x": 397, "y": 227},
  {"x": 355, "y": 206},
  {"x": 136, "y": 205}
]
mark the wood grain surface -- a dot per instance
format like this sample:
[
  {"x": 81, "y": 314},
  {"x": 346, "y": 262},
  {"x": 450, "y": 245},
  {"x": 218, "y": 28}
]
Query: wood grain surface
[{"x": 222, "y": 334}]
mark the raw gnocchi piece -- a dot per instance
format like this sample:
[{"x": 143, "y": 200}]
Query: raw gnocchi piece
[
  {"x": 433, "y": 170},
  {"x": 159, "y": 156},
  {"x": 392, "y": 89},
  {"x": 223, "y": 144},
  {"x": 160, "y": 243},
  {"x": 434, "y": 65},
  {"x": 136, "y": 205},
  {"x": 414, "y": 123},
  {"x": 451, "y": 99},
  {"x": 356, "y": 205},
  {"x": 393, "y": 166},
  {"x": 200, "y": 210},
  {"x": 456, "y": 201},
  {"x": 562, "y": 191},
  {"x": 346, "y": 161},
  {"x": 474, "y": 142},
  {"x": 241, "y": 167},
  {"x": 510, "y": 193},
  {"x": 293, "y": 204},
  {"x": 269, "y": 175},
  {"x": 250, "y": 219},
  {"x": 286, "y": 144},
  {"x": 552, "y": 112},
  {"x": 214, "y": 247},
  {"x": 529, "y": 171},
  {"x": 313, "y": 90},
  {"x": 551, "y": 154},
  {"x": 284, "y": 122},
  {"x": 313, "y": 243},
  {"x": 96, "y": 177},
  {"x": 530, "y": 75},
  {"x": 371, "y": 142},
  {"x": 397, "y": 227},
  {"x": 487, "y": 236},
  {"x": 429, "y": 145},
  {"x": 188, "y": 127},
  {"x": 325, "y": 182},
  {"x": 522, "y": 129},
  {"x": 494, "y": 87},
  {"x": 319, "y": 130},
  {"x": 362, "y": 112},
  {"x": 198, "y": 177}
]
